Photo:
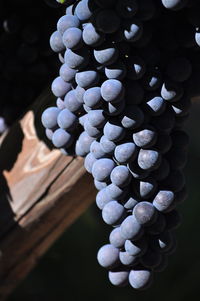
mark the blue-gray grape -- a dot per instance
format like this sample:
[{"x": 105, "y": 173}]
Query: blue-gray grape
[
  {"x": 102, "y": 169},
  {"x": 112, "y": 213}
]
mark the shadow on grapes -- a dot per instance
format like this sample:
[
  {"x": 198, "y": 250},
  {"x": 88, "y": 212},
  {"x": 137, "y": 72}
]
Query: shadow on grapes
[{"x": 70, "y": 269}]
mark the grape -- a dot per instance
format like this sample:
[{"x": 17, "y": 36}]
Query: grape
[
  {"x": 114, "y": 109},
  {"x": 146, "y": 188},
  {"x": 86, "y": 79},
  {"x": 159, "y": 225},
  {"x": 132, "y": 117},
  {"x": 66, "y": 22},
  {"x": 136, "y": 248},
  {"x": 134, "y": 93},
  {"x": 61, "y": 58},
  {"x": 102, "y": 198},
  {"x": 140, "y": 279},
  {"x": 100, "y": 185},
  {"x": 107, "y": 21},
  {"x": 106, "y": 54},
  {"x": 152, "y": 80},
  {"x": 162, "y": 172},
  {"x": 171, "y": 91},
  {"x": 108, "y": 256},
  {"x": 56, "y": 42},
  {"x": 112, "y": 90},
  {"x": 67, "y": 120},
  {"x": 182, "y": 107},
  {"x": 48, "y": 132},
  {"x": 84, "y": 10},
  {"x": 125, "y": 152},
  {"x": 146, "y": 9},
  {"x": 79, "y": 93},
  {"x": 96, "y": 150},
  {"x": 72, "y": 38},
  {"x": 174, "y": 4},
  {"x": 145, "y": 213},
  {"x": 113, "y": 132},
  {"x": 115, "y": 192},
  {"x": 148, "y": 159},
  {"x": 136, "y": 171},
  {"x": 112, "y": 213},
  {"x": 59, "y": 87},
  {"x": 120, "y": 176},
  {"x": 76, "y": 59},
  {"x": 71, "y": 102},
  {"x": 91, "y": 37},
  {"x": 179, "y": 69},
  {"x": 156, "y": 106},
  {"x": 130, "y": 228},
  {"x": 163, "y": 242},
  {"x": 96, "y": 118},
  {"x": 89, "y": 162},
  {"x": 163, "y": 143},
  {"x": 145, "y": 138},
  {"x": 177, "y": 158},
  {"x": 197, "y": 38},
  {"x": 163, "y": 264},
  {"x": 136, "y": 68},
  {"x": 66, "y": 73},
  {"x": 130, "y": 202},
  {"x": 92, "y": 97},
  {"x": 107, "y": 145},
  {"x": 173, "y": 220},
  {"x": 83, "y": 119},
  {"x": 49, "y": 117},
  {"x": 61, "y": 138},
  {"x": 86, "y": 108},
  {"x": 92, "y": 131},
  {"x": 116, "y": 71},
  {"x": 118, "y": 278},
  {"x": 181, "y": 196},
  {"x": 151, "y": 259},
  {"x": 69, "y": 9},
  {"x": 126, "y": 8},
  {"x": 133, "y": 30},
  {"x": 102, "y": 169},
  {"x": 85, "y": 141},
  {"x": 127, "y": 259},
  {"x": 116, "y": 238}
]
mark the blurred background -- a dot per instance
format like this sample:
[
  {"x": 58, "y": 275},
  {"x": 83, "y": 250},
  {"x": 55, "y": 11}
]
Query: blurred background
[{"x": 69, "y": 270}]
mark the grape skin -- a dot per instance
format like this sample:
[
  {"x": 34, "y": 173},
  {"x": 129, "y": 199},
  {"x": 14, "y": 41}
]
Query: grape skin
[
  {"x": 102, "y": 169},
  {"x": 108, "y": 256},
  {"x": 113, "y": 213},
  {"x": 49, "y": 117},
  {"x": 140, "y": 279}
]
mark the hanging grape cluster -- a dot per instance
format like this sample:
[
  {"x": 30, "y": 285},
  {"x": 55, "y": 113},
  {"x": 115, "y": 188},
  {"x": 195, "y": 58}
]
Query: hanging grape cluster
[{"x": 123, "y": 94}]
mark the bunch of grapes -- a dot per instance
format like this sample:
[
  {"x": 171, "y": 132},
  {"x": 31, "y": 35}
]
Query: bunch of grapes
[
  {"x": 122, "y": 98},
  {"x": 27, "y": 64}
]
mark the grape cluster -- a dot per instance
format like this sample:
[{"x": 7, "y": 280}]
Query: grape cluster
[
  {"x": 27, "y": 64},
  {"x": 122, "y": 99}
]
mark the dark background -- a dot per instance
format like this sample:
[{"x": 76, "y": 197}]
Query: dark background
[{"x": 69, "y": 270}]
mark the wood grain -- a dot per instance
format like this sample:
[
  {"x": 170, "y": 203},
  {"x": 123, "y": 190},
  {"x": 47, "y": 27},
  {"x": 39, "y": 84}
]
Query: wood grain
[{"x": 41, "y": 193}]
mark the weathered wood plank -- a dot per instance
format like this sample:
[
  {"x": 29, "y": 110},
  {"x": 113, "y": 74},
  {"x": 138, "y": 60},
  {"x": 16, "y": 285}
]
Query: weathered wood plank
[{"x": 41, "y": 193}]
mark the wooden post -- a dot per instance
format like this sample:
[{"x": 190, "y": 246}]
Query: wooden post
[{"x": 41, "y": 193}]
